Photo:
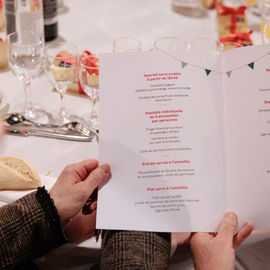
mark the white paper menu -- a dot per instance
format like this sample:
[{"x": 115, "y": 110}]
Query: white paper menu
[{"x": 187, "y": 136}]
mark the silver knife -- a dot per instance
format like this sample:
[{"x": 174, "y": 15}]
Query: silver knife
[{"x": 48, "y": 134}]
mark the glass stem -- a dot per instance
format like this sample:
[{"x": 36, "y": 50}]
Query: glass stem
[
  {"x": 94, "y": 109},
  {"x": 28, "y": 104},
  {"x": 62, "y": 109}
]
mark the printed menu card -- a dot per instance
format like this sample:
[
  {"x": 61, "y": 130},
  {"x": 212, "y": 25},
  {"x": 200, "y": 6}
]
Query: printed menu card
[{"x": 187, "y": 135}]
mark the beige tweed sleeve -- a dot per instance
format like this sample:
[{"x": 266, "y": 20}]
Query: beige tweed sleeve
[
  {"x": 29, "y": 228},
  {"x": 135, "y": 250}
]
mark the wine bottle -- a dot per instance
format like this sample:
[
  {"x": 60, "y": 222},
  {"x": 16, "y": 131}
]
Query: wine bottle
[
  {"x": 50, "y": 19},
  {"x": 24, "y": 15}
]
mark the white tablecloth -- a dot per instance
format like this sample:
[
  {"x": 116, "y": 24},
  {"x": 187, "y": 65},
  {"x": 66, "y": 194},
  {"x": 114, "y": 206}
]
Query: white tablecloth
[{"x": 93, "y": 25}]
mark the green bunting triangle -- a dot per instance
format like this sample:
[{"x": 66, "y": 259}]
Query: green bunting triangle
[
  {"x": 208, "y": 71},
  {"x": 251, "y": 65},
  {"x": 229, "y": 74},
  {"x": 183, "y": 64}
]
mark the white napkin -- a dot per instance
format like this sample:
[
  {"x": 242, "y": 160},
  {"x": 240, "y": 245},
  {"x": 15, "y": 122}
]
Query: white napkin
[{"x": 9, "y": 196}]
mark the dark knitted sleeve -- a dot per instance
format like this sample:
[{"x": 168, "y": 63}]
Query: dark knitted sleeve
[
  {"x": 29, "y": 228},
  {"x": 134, "y": 250}
]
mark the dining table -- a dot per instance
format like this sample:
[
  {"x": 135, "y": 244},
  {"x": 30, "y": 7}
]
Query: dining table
[{"x": 93, "y": 26}]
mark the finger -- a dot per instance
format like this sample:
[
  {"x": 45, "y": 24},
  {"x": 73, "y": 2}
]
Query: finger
[
  {"x": 87, "y": 209},
  {"x": 243, "y": 234},
  {"x": 85, "y": 167},
  {"x": 213, "y": 234},
  {"x": 97, "y": 177},
  {"x": 227, "y": 227},
  {"x": 93, "y": 206},
  {"x": 200, "y": 237}
]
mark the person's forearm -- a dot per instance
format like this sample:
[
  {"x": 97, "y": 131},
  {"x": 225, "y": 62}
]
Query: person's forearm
[
  {"x": 29, "y": 228},
  {"x": 136, "y": 250}
]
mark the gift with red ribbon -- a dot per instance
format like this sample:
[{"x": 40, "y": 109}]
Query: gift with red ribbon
[
  {"x": 93, "y": 62},
  {"x": 3, "y": 60},
  {"x": 242, "y": 38},
  {"x": 2, "y": 20},
  {"x": 231, "y": 20}
]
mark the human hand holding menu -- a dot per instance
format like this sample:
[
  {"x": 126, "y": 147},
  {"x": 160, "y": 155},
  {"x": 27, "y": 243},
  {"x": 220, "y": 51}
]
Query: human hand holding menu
[{"x": 187, "y": 135}]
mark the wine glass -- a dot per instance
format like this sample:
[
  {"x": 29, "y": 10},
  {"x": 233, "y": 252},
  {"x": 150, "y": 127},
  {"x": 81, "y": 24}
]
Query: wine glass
[
  {"x": 127, "y": 44},
  {"x": 206, "y": 44},
  {"x": 89, "y": 80},
  {"x": 61, "y": 67},
  {"x": 168, "y": 44},
  {"x": 229, "y": 45},
  {"x": 25, "y": 55}
]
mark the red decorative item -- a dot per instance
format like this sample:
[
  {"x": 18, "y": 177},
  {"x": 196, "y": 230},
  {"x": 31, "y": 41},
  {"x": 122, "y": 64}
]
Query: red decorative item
[
  {"x": 76, "y": 87},
  {"x": 224, "y": 10},
  {"x": 241, "y": 37}
]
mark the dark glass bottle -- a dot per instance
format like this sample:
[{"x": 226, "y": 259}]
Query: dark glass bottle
[{"x": 50, "y": 19}]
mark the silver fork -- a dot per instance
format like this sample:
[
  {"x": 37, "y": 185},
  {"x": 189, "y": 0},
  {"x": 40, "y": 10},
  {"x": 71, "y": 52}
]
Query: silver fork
[
  {"x": 83, "y": 129},
  {"x": 17, "y": 119}
]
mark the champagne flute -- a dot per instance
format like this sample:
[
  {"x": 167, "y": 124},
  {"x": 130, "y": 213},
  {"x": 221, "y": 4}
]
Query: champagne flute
[
  {"x": 25, "y": 55},
  {"x": 89, "y": 81},
  {"x": 61, "y": 67}
]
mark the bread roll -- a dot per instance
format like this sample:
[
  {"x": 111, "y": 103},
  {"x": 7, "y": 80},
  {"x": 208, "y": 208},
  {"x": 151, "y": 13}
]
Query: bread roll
[{"x": 17, "y": 174}]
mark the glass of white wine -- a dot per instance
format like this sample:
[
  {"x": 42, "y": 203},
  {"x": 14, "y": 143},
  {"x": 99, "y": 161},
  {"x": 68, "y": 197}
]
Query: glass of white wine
[{"x": 25, "y": 54}]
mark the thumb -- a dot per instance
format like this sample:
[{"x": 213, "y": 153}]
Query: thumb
[
  {"x": 97, "y": 177},
  {"x": 228, "y": 225}
]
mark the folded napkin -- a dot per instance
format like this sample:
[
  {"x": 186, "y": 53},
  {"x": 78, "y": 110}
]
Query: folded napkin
[{"x": 9, "y": 196}]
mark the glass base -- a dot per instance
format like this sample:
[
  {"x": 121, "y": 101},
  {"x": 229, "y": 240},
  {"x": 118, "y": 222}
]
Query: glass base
[
  {"x": 36, "y": 113},
  {"x": 92, "y": 123},
  {"x": 63, "y": 118}
]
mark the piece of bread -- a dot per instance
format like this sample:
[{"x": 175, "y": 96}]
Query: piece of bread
[{"x": 17, "y": 174}]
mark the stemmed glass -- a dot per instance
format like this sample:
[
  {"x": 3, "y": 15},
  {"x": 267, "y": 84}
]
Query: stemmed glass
[
  {"x": 25, "y": 55},
  {"x": 89, "y": 80},
  {"x": 229, "y": 45},
  {"x": 168, "y": 44},
  {"x": 127, "y": 44},
  {"x": 206, "y": 44},
  {"x": 61, "y": 64}
]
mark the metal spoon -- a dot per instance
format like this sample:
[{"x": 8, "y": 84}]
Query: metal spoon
[{"x": 17, "y": 118}]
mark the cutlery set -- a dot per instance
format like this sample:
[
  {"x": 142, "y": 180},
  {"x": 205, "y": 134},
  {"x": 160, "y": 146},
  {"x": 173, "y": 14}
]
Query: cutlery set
[{"x": 17, "y": 124}]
